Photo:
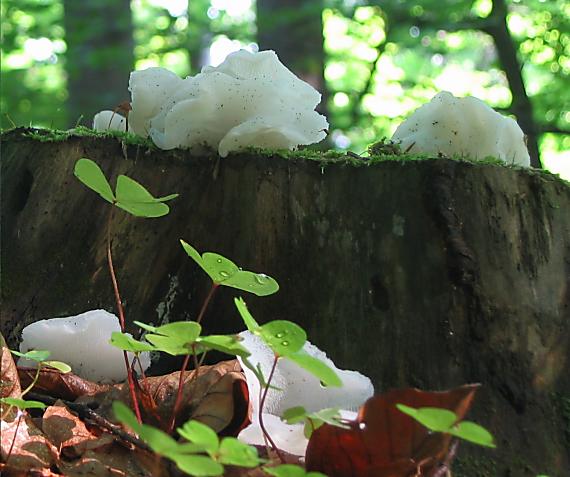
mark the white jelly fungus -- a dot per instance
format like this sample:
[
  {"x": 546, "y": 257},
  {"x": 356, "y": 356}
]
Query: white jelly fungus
[
  {"x": 250, "y": 100},
  {"x": 465, "y": 127},
  {"x": 296, "y": 387},
  {"x": 105, "y": 120},
  {"x": 81, "y": 341}
]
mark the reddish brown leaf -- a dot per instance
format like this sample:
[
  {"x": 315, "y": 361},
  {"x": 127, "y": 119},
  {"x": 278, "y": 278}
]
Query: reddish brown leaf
[
  {"x": 67, "y": 432},
  {"x": 9, "y": 382},
  {"x": 61, "y": 386},
  {"x": 384, "y": 442},
  {"x": 23, "y": 445},
  {"x": 217, "y": 397}
]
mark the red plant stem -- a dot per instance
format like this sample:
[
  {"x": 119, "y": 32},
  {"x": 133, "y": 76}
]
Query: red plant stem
[
  {"x": 15, "y": 435},
  {"x": 122, "y": 323},
  {"x": 178, "y": 400},
  {"x": 260, "y": 415}
]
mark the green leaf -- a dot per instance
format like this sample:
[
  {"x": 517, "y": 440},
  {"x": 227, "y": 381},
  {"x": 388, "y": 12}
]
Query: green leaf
[
  {"x": 91, "y": 175},
  {"x": 124, "y": 414},
  {"x": 198, "y": 465},
  {"x": 175, "y": 338},
  {"x": 283, "y": 337},
  {"x": 293, "y": 415},
  {"x": 135, "y": 199},
  {"x": 229, "y": 344},
  {"x": 223, "y": 271},
  {"x": 128, "y": 343},
  {"x": 249, "y": 321},
  {"x": 257, "y": 283},
  {"x": 316, "y": 367},
  {"x": 234, "y": 452},
  {"x": 435, "y": 419},
  {"x": 60, "y": 366},
  {"x": 37, "y": 355},
  {"x": 170, "y": 345},
  {"x": 22, "y": 403},
  {"x": 290, "y": 470},
  {"x": 473, "y": 432},
  {"x": 201, "y": 435},
  {"x": 146, "y": 327}
]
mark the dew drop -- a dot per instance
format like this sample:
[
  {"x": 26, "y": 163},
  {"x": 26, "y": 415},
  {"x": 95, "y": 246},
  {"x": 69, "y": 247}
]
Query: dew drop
[
  {"x": 285, "y": 343},
  {"x": 224, "y": 274},
  {"x": 219, "y": 260},
  {"x": 261, "y": 278}
]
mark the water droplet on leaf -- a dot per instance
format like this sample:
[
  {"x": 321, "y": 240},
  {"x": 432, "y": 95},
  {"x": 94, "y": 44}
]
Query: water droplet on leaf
[
  {"x": 224, "y": 274},
  {"x": 285, "y": 343},
  {"x": 219, "y": 260}
]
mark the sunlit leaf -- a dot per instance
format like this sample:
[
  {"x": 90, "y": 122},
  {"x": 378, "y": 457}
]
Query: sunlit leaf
[
  {"x": 145, "y": 326},
  {"x": 229, "y": 344},
  {"x": 293, "y": 415},
  {"x": 201, "y": 435},
  {"x": 60, "y": 366},
  {"x": 37, "y": 355},
  {"x": 283, "y": 337},
  {"x": 257, "y": 283},
  {"x": 22, "y": 403},
  {"x": 473, "y": 432},
  {"x": 124, "y": 414},
  {"x": 169, "y": 344},
  {"x": 198, "y": 465},
  {"x": 234, "y": 452},
  {"x": 435, "y": 419},
  {"x": 248, "y": 319},
  {"x": 290, "y": 470},
  {"x": 91, "y": 175},
  {"x": 128, "y": 343},
  {"x": 316, "y": 367},
  {"x": 135, "y": 199},
  {"x": 218, "y": 267}
]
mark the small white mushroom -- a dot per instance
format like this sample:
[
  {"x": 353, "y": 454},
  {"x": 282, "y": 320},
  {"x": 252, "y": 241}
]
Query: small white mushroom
[
  {"x": 81, "y": 341},
  {"x": 462, "y": 126},
  {"x": 109, "y": 120}
]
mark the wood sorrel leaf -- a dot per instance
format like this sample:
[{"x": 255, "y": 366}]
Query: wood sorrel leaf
[
  {"x": 37, "y": 355},
  {"x": 473, "y": 433},
  {"x": 283, "y": 337},
  {"x": 435, "y": 419},
  {"x": 128, "y": 343},
  {"x": 201, "y": 435},
  {"x": 234, "y": 452},
  {"x": 92, "y": 176},
  {"x": 22, "y": 403},
  {"x": 223, "y": 271},
  {"x": 248, "y": 319},
  {"x": 316, "y": 367},
  {"x": 229, "y": 344},
  {"x": 198, "y": 465},
  {"x": 135, "y": 199},
  {"x": 60, "y": 366},
  {"x": 290, "y": 470}
]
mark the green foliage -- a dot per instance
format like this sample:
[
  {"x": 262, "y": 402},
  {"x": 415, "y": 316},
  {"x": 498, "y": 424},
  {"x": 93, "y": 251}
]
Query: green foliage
[
  {"x": 444, "y": 420},
  {"x": 189, "y": 457},
  {"x": 173, "y": 338},
  {"x": 223, "y": 271},
  {"x": 129, "y": 194},
  {"x": 290, "y": 470},
  {"x": 22, "y": 403},
  {"x": 313, "y": 420}
]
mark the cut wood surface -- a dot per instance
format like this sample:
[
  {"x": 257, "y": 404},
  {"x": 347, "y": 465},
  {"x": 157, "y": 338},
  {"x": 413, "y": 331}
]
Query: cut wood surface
[{"x": 430, "y": 273}]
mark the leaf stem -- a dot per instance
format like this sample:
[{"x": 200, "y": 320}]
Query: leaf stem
[
  {"x": 260, "y": 414},
  {"x": 178, "y": 400},
  {"x": 15, "y": 435},
  {"x": 121, "y": 311}
]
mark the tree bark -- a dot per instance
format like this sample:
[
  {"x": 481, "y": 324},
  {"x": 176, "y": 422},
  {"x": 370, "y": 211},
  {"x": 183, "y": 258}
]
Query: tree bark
[
  {"x": 99, "y": 57},
  {"x": 428, "y": 273}
]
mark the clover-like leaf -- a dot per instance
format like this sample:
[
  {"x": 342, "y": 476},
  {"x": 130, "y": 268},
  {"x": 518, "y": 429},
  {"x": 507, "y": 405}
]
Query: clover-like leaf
[
  {"x": 290, "y": 470},
  {"x": 316, "y": 367},
  {"x": 201, "y": 435},
  {"x": 248, "y": 319},
  {"x": 473, "y": 432},
  {"x": 135, "y": 199},
  {"x": 37, "y": 355},
  {"x": 91, "y": 175},
  {"x": 198, "y": 465},
  {"x": 59, "y": 365},
  {"x": 283, "y": 337},
  {"x": 128, "y": 343},
  {"x": 223, "y": 271},
  {"x": 435, "y": 419},
  {"x": 229, "y": 344},
  {"x": 234, "y": 452},
  {"x": 22, "y": 403}
]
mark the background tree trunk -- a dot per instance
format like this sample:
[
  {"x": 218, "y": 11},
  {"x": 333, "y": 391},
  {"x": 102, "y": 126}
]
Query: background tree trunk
[
  {"x": 428, "y": 273},
  {"x": 99, "y": 57},
  {"x": 294, "y": 30}
]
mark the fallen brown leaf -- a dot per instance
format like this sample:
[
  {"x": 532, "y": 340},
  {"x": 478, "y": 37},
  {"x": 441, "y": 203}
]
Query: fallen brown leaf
[
  {"x": 384, "y": 442},
  {"x": 9, "y": 382}
]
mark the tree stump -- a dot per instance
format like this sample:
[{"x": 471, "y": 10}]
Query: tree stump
[{"x": 428, "y": 273}]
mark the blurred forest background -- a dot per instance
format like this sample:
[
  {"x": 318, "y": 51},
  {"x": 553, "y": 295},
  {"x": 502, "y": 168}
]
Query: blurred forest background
[{"x": 374, "y": 61}]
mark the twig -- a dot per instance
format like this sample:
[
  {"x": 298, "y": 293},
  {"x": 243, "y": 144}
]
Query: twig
[{"x": 87, "y": 414}]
